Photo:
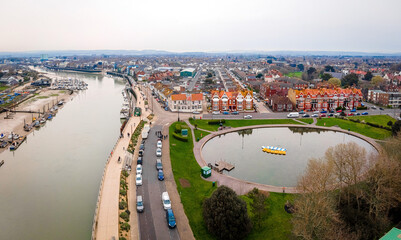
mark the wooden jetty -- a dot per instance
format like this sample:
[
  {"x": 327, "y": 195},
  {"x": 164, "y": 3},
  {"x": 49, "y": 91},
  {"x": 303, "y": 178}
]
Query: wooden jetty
[{"x": 223, "y": 165}]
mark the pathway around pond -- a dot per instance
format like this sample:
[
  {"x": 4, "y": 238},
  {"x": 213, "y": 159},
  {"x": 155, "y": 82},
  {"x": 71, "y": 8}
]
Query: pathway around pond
[{"x": 241, "y": 186}]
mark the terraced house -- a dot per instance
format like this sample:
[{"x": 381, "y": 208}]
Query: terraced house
[
  {"x": 232, "y": 101},
  {"x": 186, "y": 102},
  {"x": 325, "y": 99}
]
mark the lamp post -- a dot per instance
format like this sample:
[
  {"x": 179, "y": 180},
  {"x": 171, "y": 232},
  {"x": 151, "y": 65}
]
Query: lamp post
[{"x": 178, "y": 111}]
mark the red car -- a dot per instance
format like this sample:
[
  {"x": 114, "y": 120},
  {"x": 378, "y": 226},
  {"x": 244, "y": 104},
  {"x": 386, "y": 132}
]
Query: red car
[
  {"x": 350, "y": 114},
  {"x": 339, "y": 111},
  {"x": 323, "y": 115}
]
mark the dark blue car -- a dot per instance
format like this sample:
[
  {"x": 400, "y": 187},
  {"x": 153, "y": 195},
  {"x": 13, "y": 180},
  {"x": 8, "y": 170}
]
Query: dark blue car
[
  {"x": 323, "y": 111},
  {"x": 226, "y": 113},
  {"x": 160, "y": 175},
  {"x": 365, "y": 113}
]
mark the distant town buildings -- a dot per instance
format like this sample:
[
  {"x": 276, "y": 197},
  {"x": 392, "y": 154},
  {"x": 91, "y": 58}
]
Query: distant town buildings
[{"x": 392, "y": 99}]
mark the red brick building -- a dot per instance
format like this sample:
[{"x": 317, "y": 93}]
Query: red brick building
[{"x": 232, "y": 101}]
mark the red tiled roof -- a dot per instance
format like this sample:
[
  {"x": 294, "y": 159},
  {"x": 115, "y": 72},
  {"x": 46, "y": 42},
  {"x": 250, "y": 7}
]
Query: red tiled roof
[
  {"x": 177, "y": 97},
  {"x": 197, "y": 97}
]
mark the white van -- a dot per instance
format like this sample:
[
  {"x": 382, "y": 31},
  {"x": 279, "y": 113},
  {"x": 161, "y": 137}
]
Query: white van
[
  {"x": 293, "y": 115},
  {"x": 166, "y": 201}
]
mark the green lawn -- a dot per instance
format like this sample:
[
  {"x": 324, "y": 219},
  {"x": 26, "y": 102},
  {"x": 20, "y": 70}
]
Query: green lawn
[
  {"x": 376, "y": 133},
  {"x": 185, "y": 167},
  {"x": 203, "y": 124},
  {"x": 199, "y": 134},
  {"x": 276, "y": 223},
  {"x": 2, "y": 88},
  {"x": 294, "y": 74},
  {"x": 306, "y": 120},
  {"x": 377, "y": 119}
]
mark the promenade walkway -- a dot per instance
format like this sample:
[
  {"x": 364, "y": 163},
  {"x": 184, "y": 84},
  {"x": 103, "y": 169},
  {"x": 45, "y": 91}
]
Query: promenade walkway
[
  {"x": 242, "y": 186},
  {"x": 106, "y": 223}
]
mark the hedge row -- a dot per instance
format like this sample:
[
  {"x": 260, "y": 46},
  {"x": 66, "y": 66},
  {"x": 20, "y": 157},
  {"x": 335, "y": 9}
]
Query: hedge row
[
  {"x": 367, "y": 123},
  {"x": 216, "y": 122},
  {"x": 179, "y": 137},
  {"x": 179, "y": 127}
]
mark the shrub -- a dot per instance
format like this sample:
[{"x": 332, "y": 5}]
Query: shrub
[
  {"x": 125, "y": 227},
  {"x": 122, "y": 238},
  {"x": 122, "y": 205},
  {"x": 216, "y": 121},
  {"x": 179, "y": 137},
  {"x": 124, "y": 216},
  {"x": 123, "y": 192},
  {"x": 125, "y": 173}
]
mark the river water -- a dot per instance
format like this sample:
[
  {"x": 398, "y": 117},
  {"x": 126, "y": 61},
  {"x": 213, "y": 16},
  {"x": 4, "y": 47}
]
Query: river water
[{"x": 49, "y": 186}]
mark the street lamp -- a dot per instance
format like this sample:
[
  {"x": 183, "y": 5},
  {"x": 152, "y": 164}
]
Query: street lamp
[{"x": 178, "y": 111}]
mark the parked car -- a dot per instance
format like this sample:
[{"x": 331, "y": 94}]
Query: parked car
[
  {"x": 235, "y": 113},
  {"x": 339, "y": 111},
  {"x": 358, "y": 114},
  {"x": 323, "y": 111},
  {"x": 158, "y": 152},
  {"x": 316, "y": 112},
  {"x": 381, "y": 108},
  {"x": 330, "y": 114},
  {"x": 301, "y": 112},
  {"x": 170, "y": 218},
  {"x": 140, "y": 153},
  {"x": 322, "y": 115},
  {"x": 226, "y": 113},
  {"x": 159, "y": 144},
  {"x": 365, "y": 113},
  {"x": 142, "y": 147},
  {"x": 138, "y": 180},
  {"x": 305, "y": 115},
  {"x": 139, "y": 161},
  {"x": 215, "y": 112},
  {"x": 337, "y": 114},
  {"x": 139, "y": 204},
  {"x": 293, "y": 115},
  {"x": 196, "y": 112},
  {"x": 373, "y": 107},
  {"x": 166, "y": 201},
  {"x": 138, "y": 169},
  {"x": 248, "y": 117},
  {"x": 159, "y": 165},
  {"x": 353, "y": 110},
  {"x": 315, "y": 115},
  {"x": 350, "y": 114},
  {"x": 160, "y": 175},
  {"x": 332, "y": 111}
]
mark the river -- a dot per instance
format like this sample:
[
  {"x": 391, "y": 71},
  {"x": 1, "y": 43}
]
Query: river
[{"x": 49, "y": 186}]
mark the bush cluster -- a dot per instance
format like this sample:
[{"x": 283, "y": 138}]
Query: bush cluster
[
  {"x": 179, "y": 137},
  {"x": 216, "y": 121}
]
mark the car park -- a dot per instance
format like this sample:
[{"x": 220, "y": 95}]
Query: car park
[
  {"x": 160, "y": 175},
  {"x": 159, "y": 144},
  {"x": 305, "y": 115},
  {"x": 166, "y": 201},
  {"x": 138, "y": 180},
  {"x": 138, "y": 169},
  {"x": 159, "y": 165},
  {"x": 139, "y": 161},
  {"x": 139, "y": 204},
  {"x": 158, "y": 152},
  {"x": 170, "y": 218},
  {"x": 248, "y": 117},
  {"x": 365, "y": 113}
]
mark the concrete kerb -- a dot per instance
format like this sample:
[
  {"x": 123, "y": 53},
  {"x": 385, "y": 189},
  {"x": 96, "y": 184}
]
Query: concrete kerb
[{"x": 241, "y": 185}]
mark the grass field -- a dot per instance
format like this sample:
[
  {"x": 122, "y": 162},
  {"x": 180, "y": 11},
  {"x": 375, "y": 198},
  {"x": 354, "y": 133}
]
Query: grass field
[
  {"x": 376, "y": 133},
  {"x": 378, "y": 119},
  {"x": 294, "y": 74},
  {"x": 199, "y": 134},
  {"x": 203, "y": 124},
  {"x": 276, "y": 223},
  {"x": 306, "y": 120},
  {"x": 2, "y": 88}
]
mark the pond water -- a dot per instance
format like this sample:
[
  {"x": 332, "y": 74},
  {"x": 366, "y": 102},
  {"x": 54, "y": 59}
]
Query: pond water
[{"x": 243, "y": 149}]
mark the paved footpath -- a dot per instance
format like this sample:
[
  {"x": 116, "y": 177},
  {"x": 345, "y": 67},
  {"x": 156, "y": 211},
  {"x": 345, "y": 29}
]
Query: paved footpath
[{"x": 107, "y": 221}]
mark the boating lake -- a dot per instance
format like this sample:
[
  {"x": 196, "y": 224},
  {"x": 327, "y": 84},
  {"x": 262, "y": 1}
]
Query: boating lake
[
  {"x": 49, "y": 186},
  {"x": 243, "y": 149}
]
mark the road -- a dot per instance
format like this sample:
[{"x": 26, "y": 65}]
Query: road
[{"x": 194, "y": 80}]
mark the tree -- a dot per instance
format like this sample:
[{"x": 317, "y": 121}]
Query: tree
[
  {"x": 225, "y": 215},
  {"x": 259, "y": 75},
  {"x": 329, "y": 68},
  {"x": 326, "y": 76},
  {"x": 258, "y": 206},
  {"x": 368, "y": 76},
  {"x": 396, "y": 127},
  {"x": 335, "y": 81},
  {"x": 377, "y": 80},
  {"x": 301, "y": 67},
  {"x": 349, "y": 80}
]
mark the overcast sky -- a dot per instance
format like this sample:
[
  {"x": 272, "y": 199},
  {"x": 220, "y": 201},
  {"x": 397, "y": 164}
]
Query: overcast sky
[{"x": 201, "y": 25}]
